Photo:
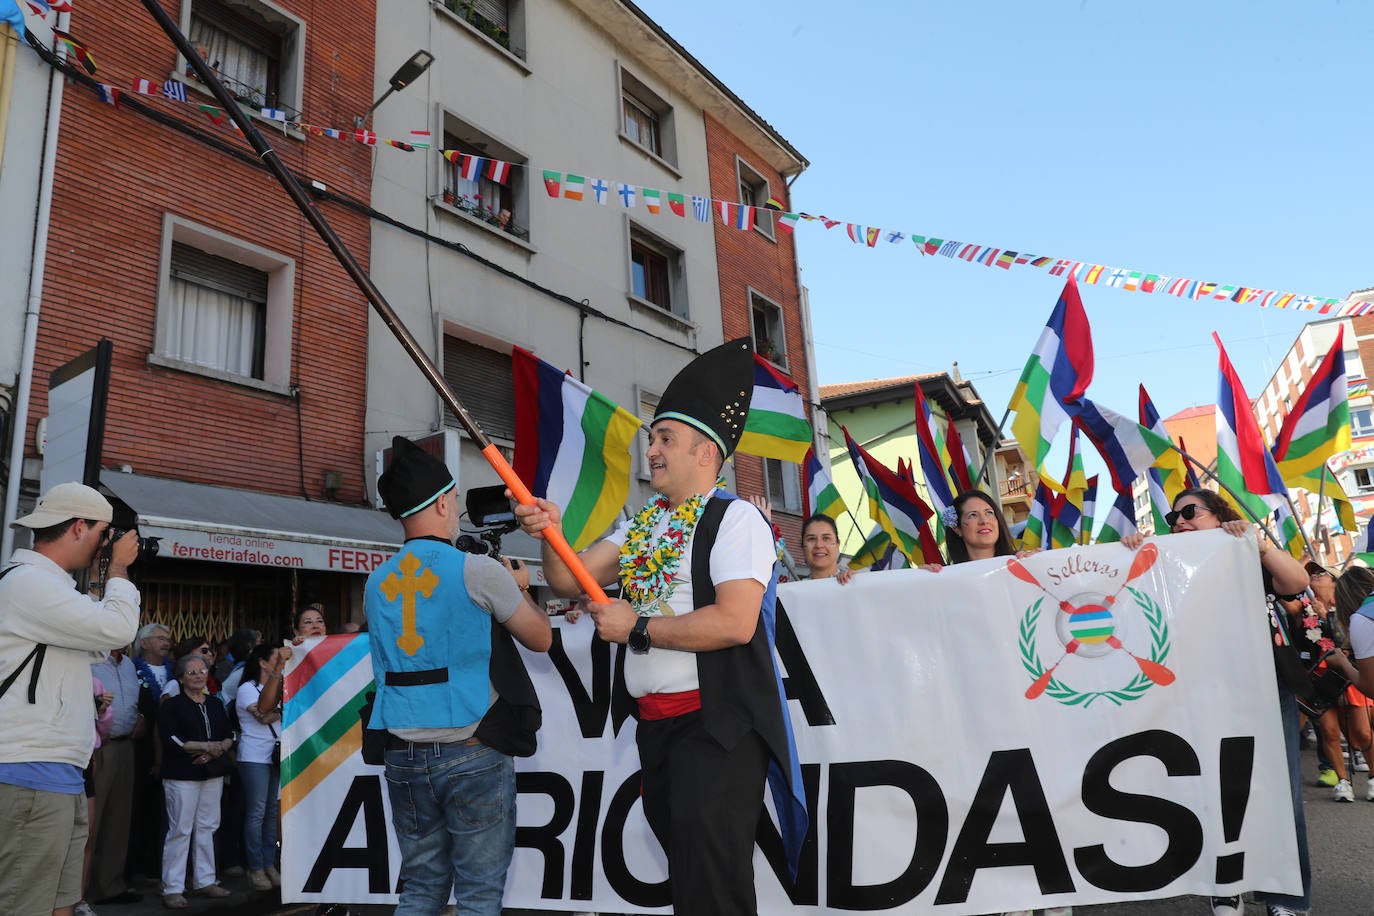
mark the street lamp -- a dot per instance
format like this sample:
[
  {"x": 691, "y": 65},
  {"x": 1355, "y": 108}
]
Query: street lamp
[{"x": 408, "y": 73}]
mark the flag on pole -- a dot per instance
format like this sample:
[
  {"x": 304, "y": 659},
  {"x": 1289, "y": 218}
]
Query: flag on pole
[
  {"x": 776, "y": 426},
  {"x": 955, "y": 457},
  {"x": 1120, "y": 520},
  {"x": 820, "y": 493},
  {"x": 1089, "y": 511},
  {"x": 1055, "y": 377},
  {"x": 1188, "y": 467},
  {"x": 1041, "y": 518},
  {"x": 1068, "y": 507},
  {"x": 1243, "y": 463},
  {"x": 1169, "y": 476},
  {"x": 876, "y": 552},
  {"x": 1128, "y": 448},
  {"x": 1318, "y": 424},
  {"x": 894, "y": 504},
  {"x": 928, "y": 454},
  {"x": 572, "y": 446}
]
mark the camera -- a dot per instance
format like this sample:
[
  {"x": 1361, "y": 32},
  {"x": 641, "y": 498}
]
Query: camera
[
  {"x": 490, "y": 510},
  {"x": 147, "y": 547}
]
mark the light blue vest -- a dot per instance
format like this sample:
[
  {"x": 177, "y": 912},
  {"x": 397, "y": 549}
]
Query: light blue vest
[{"x": 431, "y": 644}]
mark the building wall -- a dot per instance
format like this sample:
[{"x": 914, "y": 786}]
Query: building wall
[
  {"x": 118, "y": 173},
  {"x": 560, "y": 108},
  {"x": 752, "y": 262}
]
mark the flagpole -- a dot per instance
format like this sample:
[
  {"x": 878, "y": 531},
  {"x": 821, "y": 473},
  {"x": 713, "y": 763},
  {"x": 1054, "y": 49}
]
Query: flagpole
[
  {"x": 1297, "y": 521},
  {"x": 1321, "y": 499},
  {"x": 1235, "y": 498},
  {"x": 993, "y": 453},
  {"x": 552, "y": 535}
]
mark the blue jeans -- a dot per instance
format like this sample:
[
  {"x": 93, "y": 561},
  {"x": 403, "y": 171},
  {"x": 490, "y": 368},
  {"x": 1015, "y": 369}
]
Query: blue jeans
[
  {"x": 260, "y": 814},
  {"x": 453, "y": 808},
  {"x": 1288, "y": 708}
]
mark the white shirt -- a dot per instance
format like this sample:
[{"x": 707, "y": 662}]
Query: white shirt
[
  {"x": 744, "y": 549},
  {"x": 255, "y": 739},
  {"x": 1362, "y": 636}
]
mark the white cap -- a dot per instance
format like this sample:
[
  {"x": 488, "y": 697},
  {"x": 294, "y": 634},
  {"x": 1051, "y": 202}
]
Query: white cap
[{"x": 66, "y": 501}]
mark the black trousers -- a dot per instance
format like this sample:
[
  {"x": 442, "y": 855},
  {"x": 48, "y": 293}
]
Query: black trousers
[{"x": 703, "y": 804}]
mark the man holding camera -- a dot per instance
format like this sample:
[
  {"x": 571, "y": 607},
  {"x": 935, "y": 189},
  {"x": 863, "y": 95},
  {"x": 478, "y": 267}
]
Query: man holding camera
[
  {"x": 50, "y": 633},
  {"x": 451, "y": 691}
]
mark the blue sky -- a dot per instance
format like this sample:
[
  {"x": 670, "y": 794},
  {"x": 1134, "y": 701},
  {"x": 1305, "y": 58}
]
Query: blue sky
[{"x": 1223, "y": 141}]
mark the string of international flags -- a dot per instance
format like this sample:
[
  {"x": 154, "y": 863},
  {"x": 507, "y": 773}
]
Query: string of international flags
[{"x": 573, "y": 187}]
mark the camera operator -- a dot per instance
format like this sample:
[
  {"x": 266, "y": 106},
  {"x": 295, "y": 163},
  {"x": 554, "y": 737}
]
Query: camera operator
[{"x": 50, "y": 633}]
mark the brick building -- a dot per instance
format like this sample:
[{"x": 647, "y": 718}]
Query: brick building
[{"x": 234, "y": 425}]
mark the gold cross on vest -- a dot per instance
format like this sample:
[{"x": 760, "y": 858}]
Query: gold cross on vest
[{"x": 406, "y": 586}]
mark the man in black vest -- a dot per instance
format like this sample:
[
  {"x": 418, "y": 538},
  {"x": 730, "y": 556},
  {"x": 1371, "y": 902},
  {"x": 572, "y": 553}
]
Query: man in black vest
[{"x": 698, "y": 626}]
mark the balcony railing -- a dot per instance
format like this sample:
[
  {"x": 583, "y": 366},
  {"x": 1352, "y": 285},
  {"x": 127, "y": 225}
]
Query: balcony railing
[{"x": 1016, "y": 488}]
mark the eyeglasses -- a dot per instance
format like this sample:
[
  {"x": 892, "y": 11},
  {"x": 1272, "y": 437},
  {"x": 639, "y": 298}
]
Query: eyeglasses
[{"x": 1186, "y": 513}]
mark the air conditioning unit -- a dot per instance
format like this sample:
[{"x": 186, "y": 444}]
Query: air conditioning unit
[{"x": 442, "y": 445}]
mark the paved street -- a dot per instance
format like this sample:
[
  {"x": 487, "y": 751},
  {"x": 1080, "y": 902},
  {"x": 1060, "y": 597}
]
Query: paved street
[{"x": 1341, "y": 836}]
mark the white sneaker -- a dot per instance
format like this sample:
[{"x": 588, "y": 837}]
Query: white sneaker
[
  {"x": 1361, "y": 765},
  {"x": 83, "y": 908},
  {"x": 1369, "y": 791},
  {"x": 1228, "y": 906},
  {"x": 1278, "y": 909},
  {"x": 1343, "y": 791}
]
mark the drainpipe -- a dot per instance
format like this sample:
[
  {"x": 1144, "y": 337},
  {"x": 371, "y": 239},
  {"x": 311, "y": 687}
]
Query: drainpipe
[{"x": 20, "y": 426}]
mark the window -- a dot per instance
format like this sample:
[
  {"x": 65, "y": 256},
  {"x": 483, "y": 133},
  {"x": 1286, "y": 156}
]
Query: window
[
  {"x": 753, "y": 192},
  {"x": 224, "y": 306},
  {"x": 770, "y": 341},
  {"x": 656, "y": 272},
  {"x": 646, "y": 120},
  {"x": 1362, "y": 422},
  {"x": 485, "y": 378},
  {"x": 648, "y": 406},
  {"x": 1362, "y": 480},
  {"x": 257, "y": 49},
  {"x": 498, "y": 201},
  {"x": 499, "y": 21},
  {"x": 783, "y": 484}
]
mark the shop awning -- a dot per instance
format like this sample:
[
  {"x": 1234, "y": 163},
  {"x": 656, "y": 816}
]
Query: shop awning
[{"x": 199, "y": 521}]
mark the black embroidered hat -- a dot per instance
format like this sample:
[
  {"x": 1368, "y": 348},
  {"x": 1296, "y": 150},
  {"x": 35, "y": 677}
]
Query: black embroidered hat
[
  {"x": 413, "y": 480},
  {"x": 712, "y": 392}
]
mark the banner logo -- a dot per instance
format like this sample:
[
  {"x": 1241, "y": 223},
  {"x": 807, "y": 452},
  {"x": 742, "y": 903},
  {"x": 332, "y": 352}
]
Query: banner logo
[{"x": 1086, "y": 627}]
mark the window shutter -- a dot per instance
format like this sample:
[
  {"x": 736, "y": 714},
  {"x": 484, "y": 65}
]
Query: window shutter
[
  {"x": 214, "y": 272},
  {"x": 484, "y": 382},
  {"x": 496, "y": 11}
]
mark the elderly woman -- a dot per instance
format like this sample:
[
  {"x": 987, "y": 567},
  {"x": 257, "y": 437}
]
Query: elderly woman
[
  {"x": 1283, "y": 577},
  {"x": 196, "y": 743}
]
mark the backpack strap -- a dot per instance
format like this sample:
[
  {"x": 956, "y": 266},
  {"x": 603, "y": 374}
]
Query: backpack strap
[{"x": 36, "y": 656}]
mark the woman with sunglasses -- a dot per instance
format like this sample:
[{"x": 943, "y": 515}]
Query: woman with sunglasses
[
  {"x": 1197, "y": 509},
  {"x": 192, "y": 645}
]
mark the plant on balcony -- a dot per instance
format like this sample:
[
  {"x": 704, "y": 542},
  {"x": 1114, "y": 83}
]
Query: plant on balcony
[{"x": 465, "y": 10}]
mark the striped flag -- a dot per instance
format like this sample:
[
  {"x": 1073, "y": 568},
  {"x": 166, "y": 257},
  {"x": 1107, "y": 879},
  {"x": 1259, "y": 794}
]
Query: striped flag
[
  {"x": 876, "y": 553},
  {"x": 955, "y": 457},
  {"x": 76, "y": 48},
  {"x": 787, "y": 222},
  {"x": 1006, "y": 259},
  {"x": 145, "y": 87},
  {"x": 871, "y": 235},
  {"x": 572, "y": 446},
  {"x": 776, "y": 426},
  {"x": 894, "y": 504},
  {"x": 176, "y": 91},
  {"x": 421, "y": 139},
  {"x": 326, "y": 685},
  {"x": 988, "y": 257},
  {"x": 1128, "y": 448},
  {"x": 1120, "y": 520},
  {"x": 1170, "y": 477},
  {"x": 1089, "y": 511},
  {"x": 928, "y": 454},
  {"x": 498, "y": 171},
  {"x": 701, "y": 208},
  {"x": 1041, "y": 518},
  {"x": 108, "y": 94},
  {"x": 572, "y": 186},
  {"x": 1243, "y": 463},
  {"x": 820, "y": 493},
  {"x": 1318, "y": 424},
  {"x": 470, "y": 167},
  {"x": 1055, "y": 377},
  {"x": 653, "y": 200}
]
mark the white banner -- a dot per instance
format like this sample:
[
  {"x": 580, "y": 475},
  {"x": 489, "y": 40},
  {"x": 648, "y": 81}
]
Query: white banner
[{"x": 1068, "y": 729}]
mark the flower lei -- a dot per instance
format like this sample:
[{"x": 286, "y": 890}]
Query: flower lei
[
  {"x": 1312, "y": 624},
  {"x": 647, "y": 569}
]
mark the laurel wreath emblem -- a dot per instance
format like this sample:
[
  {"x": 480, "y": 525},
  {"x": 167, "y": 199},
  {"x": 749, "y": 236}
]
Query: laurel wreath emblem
[{"x": 1061, "y": 691}]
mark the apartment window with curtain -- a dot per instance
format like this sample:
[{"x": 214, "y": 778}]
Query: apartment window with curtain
[
  {"x": 256, "y": 50},
  {"x": 217, "y": 312}
]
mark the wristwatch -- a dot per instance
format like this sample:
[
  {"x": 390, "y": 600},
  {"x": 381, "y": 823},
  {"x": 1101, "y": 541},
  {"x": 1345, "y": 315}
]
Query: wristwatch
[{"x": 639, "y": 637}]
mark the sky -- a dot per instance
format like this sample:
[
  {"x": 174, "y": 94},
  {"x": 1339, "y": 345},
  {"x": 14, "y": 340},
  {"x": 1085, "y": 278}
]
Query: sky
[{"x": 1225, "y": 141}]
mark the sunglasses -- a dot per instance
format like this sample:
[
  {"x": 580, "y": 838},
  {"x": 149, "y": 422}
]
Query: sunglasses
[{"x": 1186, "y": 513}]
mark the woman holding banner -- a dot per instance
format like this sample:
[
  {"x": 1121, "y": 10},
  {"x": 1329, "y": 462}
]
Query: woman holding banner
[{"x": 1197, "y": 509}]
